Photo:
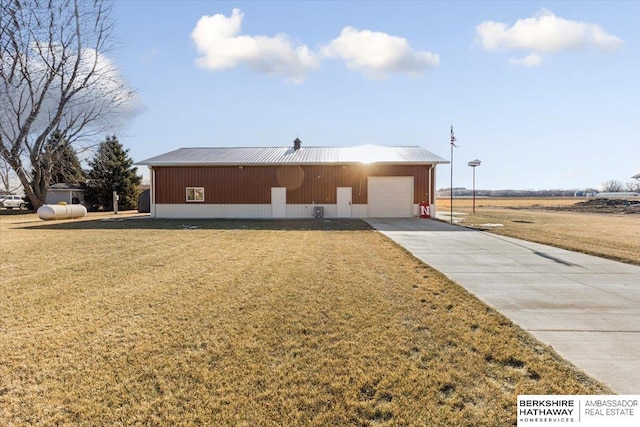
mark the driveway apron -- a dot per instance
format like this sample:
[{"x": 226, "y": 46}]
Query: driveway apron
[{"x": 587, "y": 308}]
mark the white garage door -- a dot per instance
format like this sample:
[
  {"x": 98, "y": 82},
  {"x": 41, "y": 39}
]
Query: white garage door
[{"x": 390, "y": 196}]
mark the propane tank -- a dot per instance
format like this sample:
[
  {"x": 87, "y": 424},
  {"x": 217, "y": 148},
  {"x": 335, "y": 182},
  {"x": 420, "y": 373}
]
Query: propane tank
[{"x": 61, "y": 211}]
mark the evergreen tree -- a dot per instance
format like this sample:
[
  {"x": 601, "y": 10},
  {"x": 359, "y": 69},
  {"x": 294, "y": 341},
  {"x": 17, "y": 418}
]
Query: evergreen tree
[
  {"x": 112, "y": 170},
  {"x": 67, "y": 170},
  {"x": 57, "y": 164}
]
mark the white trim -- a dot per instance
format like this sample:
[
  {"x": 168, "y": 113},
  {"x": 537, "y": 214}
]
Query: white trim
[
  {"x": 430, "y": 198},
  {"x": 152, "y": 192},
  {"x": 196, "y": 192}
]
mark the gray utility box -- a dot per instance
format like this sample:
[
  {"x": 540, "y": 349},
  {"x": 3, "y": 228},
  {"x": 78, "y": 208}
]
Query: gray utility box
[{"x": 318, "y": 211}]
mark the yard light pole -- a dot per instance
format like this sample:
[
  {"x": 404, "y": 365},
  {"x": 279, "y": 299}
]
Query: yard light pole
[
  {"x": 474, "y": 163},
  {"x": 453, "y": 140}
]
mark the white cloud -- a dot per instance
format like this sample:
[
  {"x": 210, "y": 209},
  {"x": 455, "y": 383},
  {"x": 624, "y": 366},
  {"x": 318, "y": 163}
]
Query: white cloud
[
  {"x": 221, "y": 45},
  {"x": 378, "y": 54},
  {"x": 544, "y": 33},
  {"x": 217, "y": 39},
  {"x": 101, "y": 97},
  {"x": 531, "y": 60}
]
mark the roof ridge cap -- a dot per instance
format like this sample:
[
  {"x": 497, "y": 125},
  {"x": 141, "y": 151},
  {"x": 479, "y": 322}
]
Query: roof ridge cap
[{"x": 306, "y": 146}]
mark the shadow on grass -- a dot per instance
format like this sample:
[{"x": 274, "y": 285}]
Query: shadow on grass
[
  {"x": 7, "y": 212},
  {"x": 147, "y": 223}
]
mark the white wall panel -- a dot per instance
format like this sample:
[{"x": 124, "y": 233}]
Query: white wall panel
[
  {"x": 212, "y": 211},
  {"x": 359, "y": 211},
  {"x": 247, "y": 211}
]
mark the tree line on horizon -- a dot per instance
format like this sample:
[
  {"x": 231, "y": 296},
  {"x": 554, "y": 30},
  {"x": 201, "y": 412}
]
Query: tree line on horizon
[{"x": 610, "y": 186}]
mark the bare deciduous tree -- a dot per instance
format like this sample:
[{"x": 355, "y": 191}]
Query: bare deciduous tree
[
  {"x": 8, "y": 181},
  {"x": 612, "y": 186},
  {"x": 633, "y": 186},
  {"x": 54, "y": 78}
]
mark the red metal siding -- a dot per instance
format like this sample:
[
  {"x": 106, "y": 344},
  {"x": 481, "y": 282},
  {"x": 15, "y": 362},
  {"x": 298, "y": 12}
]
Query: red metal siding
[{"x": 305, "y": 184}]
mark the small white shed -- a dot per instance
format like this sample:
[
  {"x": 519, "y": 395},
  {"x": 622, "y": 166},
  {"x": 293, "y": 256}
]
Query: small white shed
[{"x": 69, "y": 193}]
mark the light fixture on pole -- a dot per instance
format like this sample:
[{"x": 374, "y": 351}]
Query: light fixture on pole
[
  {"x": 453, "y": 140},
  {"x": 474, "y": 163}
]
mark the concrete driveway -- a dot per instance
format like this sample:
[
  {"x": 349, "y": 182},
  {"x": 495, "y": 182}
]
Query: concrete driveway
[{"x": 587, "y": 308}]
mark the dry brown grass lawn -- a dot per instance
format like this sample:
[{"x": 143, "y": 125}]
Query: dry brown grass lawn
[
  {"x": 266, "y": 323},
  {"x": 608, "y": 235}
]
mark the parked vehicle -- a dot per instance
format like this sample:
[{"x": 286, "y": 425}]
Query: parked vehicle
[{"x": 11, "y": 201}]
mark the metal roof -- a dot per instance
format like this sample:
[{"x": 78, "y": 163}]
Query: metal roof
[
  {"x": 266, "y": 156},
  {"x": 65, "y": 187}
]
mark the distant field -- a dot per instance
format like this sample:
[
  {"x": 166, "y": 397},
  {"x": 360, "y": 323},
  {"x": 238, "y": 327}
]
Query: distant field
[
  {"x": 120, "y": 321},
  {"x": 508, "y": 201},
  {"x": 609, "y": 235}
]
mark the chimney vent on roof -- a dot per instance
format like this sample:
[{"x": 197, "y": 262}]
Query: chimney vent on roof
[{"x": 296, "y": 144}]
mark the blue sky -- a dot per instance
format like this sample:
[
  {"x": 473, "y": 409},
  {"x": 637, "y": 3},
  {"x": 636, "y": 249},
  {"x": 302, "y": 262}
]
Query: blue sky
[{"x": 545, "y": 94}]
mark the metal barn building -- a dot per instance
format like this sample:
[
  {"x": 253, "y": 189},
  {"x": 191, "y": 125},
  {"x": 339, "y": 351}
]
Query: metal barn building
[{"x": 292, "y": 182}]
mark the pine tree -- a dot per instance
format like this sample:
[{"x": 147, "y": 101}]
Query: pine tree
[
  {"x": 68, "y": 169},
  {"x": 58, "y": 164},
  {"x": 112, "y": 170}
]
